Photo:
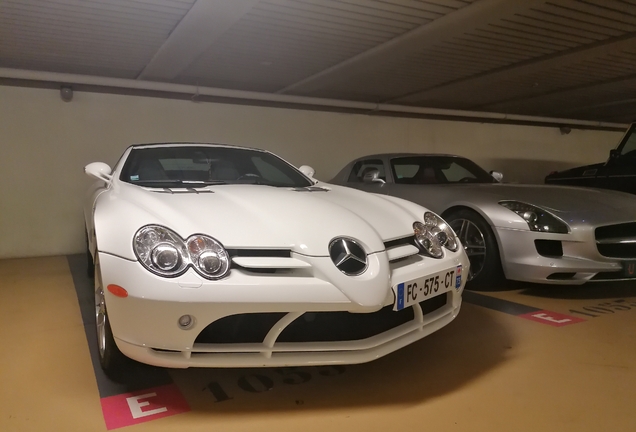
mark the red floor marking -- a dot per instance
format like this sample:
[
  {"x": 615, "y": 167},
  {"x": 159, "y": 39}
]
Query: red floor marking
[
  {"x": 552, "y": 318},
  {"x": 142, "y": 406}
]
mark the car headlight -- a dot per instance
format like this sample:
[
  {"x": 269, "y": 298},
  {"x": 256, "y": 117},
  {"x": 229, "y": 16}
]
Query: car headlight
[
  {"x": 537, "y": 218},
  {"x": 163, "y": 252},
  {"x": 208, "y": 256},
  {"x": 435, "y": 234}
]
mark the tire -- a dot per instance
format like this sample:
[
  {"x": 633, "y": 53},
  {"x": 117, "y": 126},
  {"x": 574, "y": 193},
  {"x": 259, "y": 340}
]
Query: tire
[
  {"x": 481, "y": 247},
  {"x": 90, "y": 264},
  {"x": 111, "y": 359}
]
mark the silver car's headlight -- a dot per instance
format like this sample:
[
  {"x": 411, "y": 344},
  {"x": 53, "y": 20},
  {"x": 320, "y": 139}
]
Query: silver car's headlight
[
  {"x": 435, "y": 234},
  {"x": 163, "y": 252},
  {"x": 537, "y": 218}
]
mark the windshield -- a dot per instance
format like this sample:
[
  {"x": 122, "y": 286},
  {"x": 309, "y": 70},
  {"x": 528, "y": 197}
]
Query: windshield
[
  {"x": 438, "y": 170},
  {"x": 628, "y": 145},
  {"x": 199, "y": 166}
]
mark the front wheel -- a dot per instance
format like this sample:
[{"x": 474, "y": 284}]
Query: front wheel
[
  {"x": 480, "y": 245},
  {"x": 90, "y": 265},
  {"x": 111, "y": 358}
]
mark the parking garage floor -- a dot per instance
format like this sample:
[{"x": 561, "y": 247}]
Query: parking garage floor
[{"x": 517, "y": 358}]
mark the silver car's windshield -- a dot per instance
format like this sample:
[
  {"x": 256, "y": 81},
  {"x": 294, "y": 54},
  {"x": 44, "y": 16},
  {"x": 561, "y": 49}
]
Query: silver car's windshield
[
  {"x": 437, "y": 170},
  {"x": 197, "y": 166}
]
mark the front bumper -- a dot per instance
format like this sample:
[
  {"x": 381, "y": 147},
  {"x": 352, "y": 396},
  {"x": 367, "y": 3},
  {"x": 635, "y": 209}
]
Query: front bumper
[
  {"x": 145, "y": 324},
  {"x": 581, "y": 262}
]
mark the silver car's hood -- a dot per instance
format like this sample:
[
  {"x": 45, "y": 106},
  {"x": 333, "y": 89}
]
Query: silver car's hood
[
  {"x": 576, "y": 205},
  {"x": 555, "y": 198}
]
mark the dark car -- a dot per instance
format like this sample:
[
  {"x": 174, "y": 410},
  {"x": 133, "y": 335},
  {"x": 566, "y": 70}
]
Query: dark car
[{"x": 617, "y": 173}]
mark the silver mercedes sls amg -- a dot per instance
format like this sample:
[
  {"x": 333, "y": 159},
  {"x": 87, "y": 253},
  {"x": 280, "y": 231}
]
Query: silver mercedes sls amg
[{"x": 533, "y": 233}]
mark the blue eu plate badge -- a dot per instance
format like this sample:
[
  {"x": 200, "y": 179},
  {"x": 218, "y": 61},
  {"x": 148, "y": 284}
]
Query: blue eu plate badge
[
  {"x": 400, "y": 296},
  {"x": 458, "y": 277}
]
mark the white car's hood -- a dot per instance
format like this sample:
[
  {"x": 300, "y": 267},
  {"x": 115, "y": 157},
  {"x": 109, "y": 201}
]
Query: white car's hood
[{"x": 256, "y": 216}]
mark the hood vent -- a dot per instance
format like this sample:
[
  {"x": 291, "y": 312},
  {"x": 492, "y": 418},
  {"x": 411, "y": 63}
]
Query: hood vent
[
  {"x": 181, "y": 191},
  {"x": 311, "y": 189},
  {"x": 401, "y": 248}
]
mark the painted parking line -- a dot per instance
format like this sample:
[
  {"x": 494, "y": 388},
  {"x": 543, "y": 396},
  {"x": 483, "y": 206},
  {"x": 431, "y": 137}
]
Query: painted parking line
[
  {"x": 145, "y": 393},
  {"x": 542, "y": 316}
]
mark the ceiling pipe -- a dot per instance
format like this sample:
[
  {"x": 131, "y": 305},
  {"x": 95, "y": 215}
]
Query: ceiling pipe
[{"x": 193, "y": 90}]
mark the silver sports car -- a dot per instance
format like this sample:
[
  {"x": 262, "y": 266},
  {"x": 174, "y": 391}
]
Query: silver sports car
[{"x": 533, "y": 233}]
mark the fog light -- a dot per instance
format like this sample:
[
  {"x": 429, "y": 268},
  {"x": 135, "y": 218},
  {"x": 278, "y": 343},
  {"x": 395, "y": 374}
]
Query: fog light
[{"x": 186, "y": 321}]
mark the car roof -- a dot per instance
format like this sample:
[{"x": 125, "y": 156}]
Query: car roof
[
  {"x": 395, "y": 155},
  {"x": 191, "y": 144}
]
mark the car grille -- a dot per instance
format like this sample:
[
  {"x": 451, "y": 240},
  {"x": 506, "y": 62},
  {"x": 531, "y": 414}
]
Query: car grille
[
  {"x": 617, "y": 241},
  {"x": 313, "y": 326},
  {"x": 401, "y": 248}
]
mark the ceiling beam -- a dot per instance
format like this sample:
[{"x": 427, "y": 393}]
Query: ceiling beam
[
  {"x": 517, "y": 72},
  {"x": 571, "y": 100},
  {"x": 204, "y": 23},
  {"x": 453, "y": 24}
]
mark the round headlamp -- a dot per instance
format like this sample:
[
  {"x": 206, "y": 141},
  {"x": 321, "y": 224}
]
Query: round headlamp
[
  {"x": 160, "y": 250},
  {"x": 434, "y": 234},
  {"x": 208, "y": 256},
  {"x": 428, "y": 242},
  {"x": 165, "y": 257}
]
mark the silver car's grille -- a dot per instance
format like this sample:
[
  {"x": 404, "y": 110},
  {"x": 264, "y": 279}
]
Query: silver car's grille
[{"x": 617, "y": 241}]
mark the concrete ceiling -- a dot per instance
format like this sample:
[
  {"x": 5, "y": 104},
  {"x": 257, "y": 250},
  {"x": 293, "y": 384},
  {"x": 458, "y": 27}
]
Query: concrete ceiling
[{"x": 560, "y": 58}]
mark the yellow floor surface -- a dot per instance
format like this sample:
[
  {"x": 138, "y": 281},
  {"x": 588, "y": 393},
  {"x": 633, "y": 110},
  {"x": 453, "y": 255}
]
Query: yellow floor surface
[{"x": 486, "y": 371}]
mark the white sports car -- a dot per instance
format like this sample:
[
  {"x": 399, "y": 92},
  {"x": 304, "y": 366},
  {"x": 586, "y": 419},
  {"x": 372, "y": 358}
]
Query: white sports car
[{"x": 219, "y": 256}]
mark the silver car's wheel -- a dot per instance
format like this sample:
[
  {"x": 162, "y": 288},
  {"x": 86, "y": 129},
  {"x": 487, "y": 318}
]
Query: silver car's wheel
[
  {"x": 473, "y": 241},
  {"x": 480, "y": 245}
]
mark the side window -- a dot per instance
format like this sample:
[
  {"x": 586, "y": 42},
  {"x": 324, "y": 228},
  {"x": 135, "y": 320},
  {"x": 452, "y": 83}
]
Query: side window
[
  {"x": 271, "y": 173},
  {"x": 405, "y": 171},
  {"x": 362, "y": 167},
  {"x": 455, "y": 172}
]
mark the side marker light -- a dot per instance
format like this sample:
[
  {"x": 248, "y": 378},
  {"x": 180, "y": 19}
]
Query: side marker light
[{"x": 117, "y": 291}]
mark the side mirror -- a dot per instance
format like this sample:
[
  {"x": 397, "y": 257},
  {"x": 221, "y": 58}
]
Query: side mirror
[
  {"x": 614, "y": 154},
  {"x": 496, "y": 175},
  {"x": 98, "y": 170},
  {"x": 372, "y": 176},
  {"x": 307, "y": 170}
]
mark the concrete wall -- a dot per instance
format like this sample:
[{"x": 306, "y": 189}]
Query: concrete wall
[{"x": 46, "y": 142}]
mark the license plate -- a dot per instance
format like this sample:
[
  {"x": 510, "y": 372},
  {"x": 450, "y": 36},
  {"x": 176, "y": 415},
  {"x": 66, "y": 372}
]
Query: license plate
[
  {"x": 417, "y": 290},
  {"x": 629, "y": 269}
]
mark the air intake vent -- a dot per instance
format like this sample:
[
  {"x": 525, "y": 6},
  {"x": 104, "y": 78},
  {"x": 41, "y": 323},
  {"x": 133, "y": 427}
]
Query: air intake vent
[{"x": 549, "y": 248}]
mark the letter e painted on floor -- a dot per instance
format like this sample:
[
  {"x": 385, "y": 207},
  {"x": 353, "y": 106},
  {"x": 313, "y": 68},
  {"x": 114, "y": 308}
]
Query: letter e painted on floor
[
  {"x": 142, "y": 406},
  {"x": 551, "y": 318},
  {"x": 135, "y": 404}
]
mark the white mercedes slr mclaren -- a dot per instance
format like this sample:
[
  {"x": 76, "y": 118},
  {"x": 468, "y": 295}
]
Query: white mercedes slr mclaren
[{"x": 219, "y": 256}]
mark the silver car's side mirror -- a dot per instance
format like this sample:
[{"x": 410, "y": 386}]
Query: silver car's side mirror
[
  {"x": 372, "y": 176},
  {"x": 497, "y": 175},
  {"x": 99, "y": 170},
  {"x": 307, "y": 170}
]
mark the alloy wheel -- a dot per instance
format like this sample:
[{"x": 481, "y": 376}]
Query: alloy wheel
[
  {"x": 100, "y": 313},
  {"x": 474, "y": 244}
]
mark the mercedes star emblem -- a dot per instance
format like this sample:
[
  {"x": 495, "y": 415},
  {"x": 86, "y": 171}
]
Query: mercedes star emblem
[{"x": 348, "y": 256}]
